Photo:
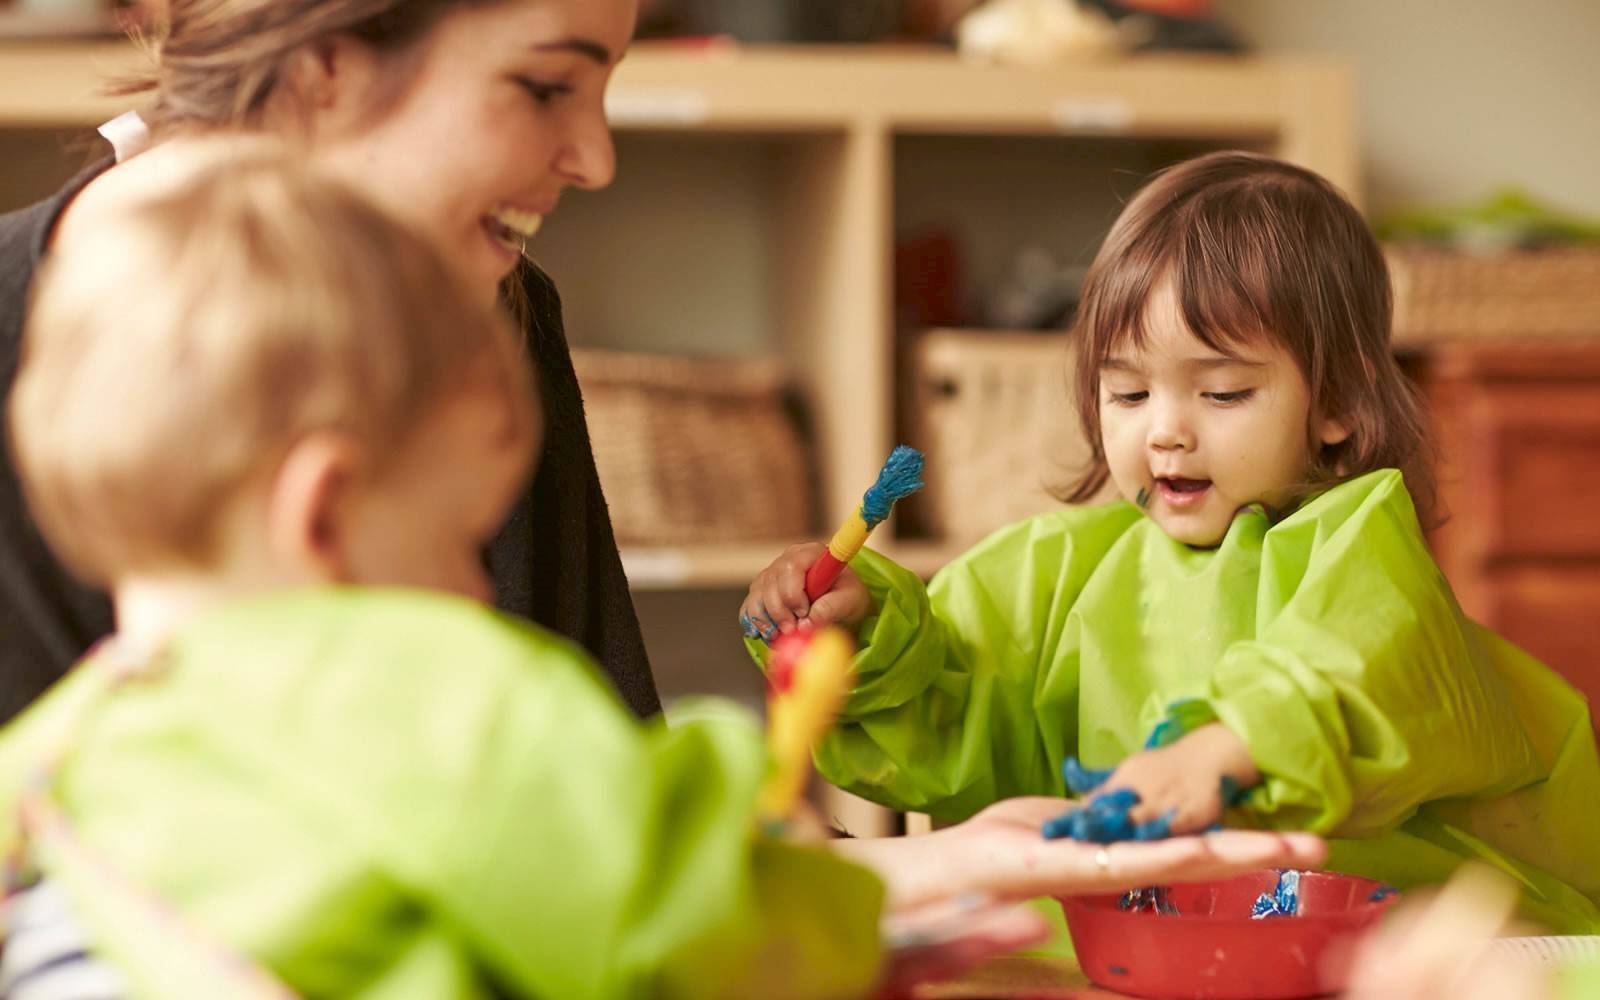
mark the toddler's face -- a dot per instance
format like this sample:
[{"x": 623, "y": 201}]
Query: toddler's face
[
  {"x": 1193, "y": 435},
  {"x": 425, "y": 520}
]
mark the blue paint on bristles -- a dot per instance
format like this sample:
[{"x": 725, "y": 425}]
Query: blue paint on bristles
[
  {"x": 901, "y": 477},
  {"x": 1284, "y": 901}
]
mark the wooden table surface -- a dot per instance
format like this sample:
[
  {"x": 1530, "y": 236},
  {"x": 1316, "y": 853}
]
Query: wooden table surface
[{"x": 1017, "y": 978}]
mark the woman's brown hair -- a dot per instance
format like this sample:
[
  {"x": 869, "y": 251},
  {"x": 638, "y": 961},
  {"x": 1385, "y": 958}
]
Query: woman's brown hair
[
  {"x": 1255, "y": 247},
  {"x": 215, "y": 64}
]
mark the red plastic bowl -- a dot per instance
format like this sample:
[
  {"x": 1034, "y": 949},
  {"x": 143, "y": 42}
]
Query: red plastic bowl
[{"x": 1213, "y": 949}]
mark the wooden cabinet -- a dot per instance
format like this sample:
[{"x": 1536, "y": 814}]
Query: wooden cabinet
[{"x": 1519, "y": 429}]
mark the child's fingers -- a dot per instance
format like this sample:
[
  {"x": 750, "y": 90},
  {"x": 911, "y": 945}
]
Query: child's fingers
[
  {"x": 776, "y": 604},
  {"x": 829, "y": 608},
  {"x": 799, "y": 558},
  {"x": 1155, "y": 798},
  {"x": 1103, "y": 819},
  {"x": 747, "y": 626},
  {"x": 1065, "y": 825},
  {"x": 1159, "y": 828},
  {"x": 847, "y": 603},
  {"x": 753, "y": 620},
  {"x": 790, "y": 583},
  {"x": 777, "y": 595},
  {"x": 1082, "y": 780},
  {"x": 781, "y": 588},
  {"x": 751, "y": 617},
  {"x": 1182, "y": 813}
]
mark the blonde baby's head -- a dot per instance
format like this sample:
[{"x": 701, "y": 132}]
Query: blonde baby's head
[{"x": 256, "y": 366}]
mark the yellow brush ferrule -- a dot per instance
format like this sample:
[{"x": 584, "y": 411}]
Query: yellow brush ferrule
[{"x": 847, "y": 541}]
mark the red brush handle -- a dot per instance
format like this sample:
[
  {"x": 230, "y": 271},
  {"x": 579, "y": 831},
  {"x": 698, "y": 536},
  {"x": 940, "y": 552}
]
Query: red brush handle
[{"x": 822, "y": 574}]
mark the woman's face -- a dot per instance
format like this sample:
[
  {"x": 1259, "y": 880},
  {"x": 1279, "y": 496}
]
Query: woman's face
[{"x": 501, "y": 112}]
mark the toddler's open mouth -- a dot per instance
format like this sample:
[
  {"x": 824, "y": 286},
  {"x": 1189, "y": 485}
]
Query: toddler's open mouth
[{"x": 1176, "y": 491}]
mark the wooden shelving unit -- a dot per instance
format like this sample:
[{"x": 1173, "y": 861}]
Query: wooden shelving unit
[
  {"x": 1303, "y": 106},
  {"x": 756, "y": 213},
  {"x": 843, "y": 133},
  {"x": 842, "y": 126},
  {"x": 849, "y": 131},
  {"x": 712, "y": 567},
  {"x": 48, "y": 84}
]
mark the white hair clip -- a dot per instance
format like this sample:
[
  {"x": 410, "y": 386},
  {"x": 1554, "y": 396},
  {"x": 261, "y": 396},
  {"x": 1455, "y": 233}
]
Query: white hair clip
[{"x": 128, "y": 134}]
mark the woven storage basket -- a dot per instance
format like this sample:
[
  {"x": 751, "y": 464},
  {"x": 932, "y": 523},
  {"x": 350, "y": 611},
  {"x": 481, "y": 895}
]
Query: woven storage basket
[
  {"x": 1530, "y": 293},
  {"x": 693, "y": 450},
  {"x": 994, "y": 414}
]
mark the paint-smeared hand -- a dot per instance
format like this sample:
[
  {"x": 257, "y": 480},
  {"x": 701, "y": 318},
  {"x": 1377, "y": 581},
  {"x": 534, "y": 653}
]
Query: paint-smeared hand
[
  {"x": 1176, "y": 789},
  {"x": 999, "y": 852},
  {"x": 777, "y": 602}
]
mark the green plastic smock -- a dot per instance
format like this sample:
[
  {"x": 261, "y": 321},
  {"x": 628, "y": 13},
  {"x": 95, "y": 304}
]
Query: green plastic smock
[
  {"x": 380, "y": 794},
  {"x": 1329, "y": 642}
]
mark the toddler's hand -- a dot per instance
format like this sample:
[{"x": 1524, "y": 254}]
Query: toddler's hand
[
  {"x": 1181, "y": 785},
  {"x": 777, "y": 600}
]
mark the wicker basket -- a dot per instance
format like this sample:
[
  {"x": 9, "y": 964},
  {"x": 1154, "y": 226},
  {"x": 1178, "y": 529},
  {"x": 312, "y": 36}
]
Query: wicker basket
[
  {"x": 993, "y": 413},
  {"x": 1532, "y": 293},
  {"x": 693, "y": 451}
]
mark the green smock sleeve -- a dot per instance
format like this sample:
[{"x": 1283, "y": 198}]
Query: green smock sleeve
[
  {"x": 1364, "y": 691},
  {"x": 629, "y": 863},
  {"x": 942, "y": 718}
]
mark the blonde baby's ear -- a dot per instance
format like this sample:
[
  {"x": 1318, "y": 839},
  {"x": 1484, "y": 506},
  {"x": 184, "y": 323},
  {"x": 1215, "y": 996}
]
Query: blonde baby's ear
[{"x": 307, "y": 503}]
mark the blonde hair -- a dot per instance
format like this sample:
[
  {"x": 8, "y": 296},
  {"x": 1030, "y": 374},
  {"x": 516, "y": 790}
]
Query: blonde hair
[{"x": 184, "y": 343}]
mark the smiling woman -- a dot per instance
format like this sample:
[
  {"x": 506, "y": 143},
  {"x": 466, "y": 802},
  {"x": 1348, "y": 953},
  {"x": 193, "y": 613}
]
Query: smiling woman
[{"x": 467, "y": 120}]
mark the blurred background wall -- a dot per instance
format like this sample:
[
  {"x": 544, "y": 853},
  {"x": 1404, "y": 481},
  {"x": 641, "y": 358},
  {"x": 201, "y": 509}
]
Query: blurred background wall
[{"x": 1456, "y": 96}]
